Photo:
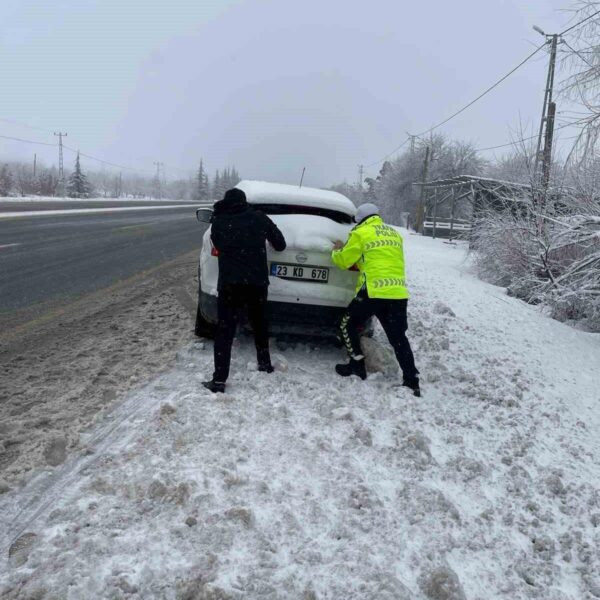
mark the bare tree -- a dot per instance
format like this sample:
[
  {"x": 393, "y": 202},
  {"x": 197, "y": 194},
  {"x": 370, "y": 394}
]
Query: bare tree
[
  {"x": 581, "y": 57},
  {"x": 393, "y": 188}
]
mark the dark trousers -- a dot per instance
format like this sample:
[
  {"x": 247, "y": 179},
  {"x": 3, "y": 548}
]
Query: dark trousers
[
  {"x": 232, "y": 299},
  {"x": 392, "y": 316}
]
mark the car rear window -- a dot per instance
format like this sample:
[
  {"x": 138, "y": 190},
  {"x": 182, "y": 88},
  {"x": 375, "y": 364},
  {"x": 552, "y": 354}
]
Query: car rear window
[{"x": 293, "y": 209}]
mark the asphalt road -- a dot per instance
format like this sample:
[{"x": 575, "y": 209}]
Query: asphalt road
[
  {"x": 47, "y": 261},
  {"x": 17, "y": 204}
]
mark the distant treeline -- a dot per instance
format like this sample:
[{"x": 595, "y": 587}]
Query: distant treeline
[{"x": 20, "y": 179}]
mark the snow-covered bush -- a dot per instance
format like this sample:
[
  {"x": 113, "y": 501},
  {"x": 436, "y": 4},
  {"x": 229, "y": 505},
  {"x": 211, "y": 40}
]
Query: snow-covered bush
[
  {"x": 574, "y": 292},
  {"x": 553, "y": 260}
]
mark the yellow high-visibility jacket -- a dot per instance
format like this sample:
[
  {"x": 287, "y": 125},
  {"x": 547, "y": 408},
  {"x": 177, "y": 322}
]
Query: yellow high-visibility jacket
[{"x": 377, "y": 250}]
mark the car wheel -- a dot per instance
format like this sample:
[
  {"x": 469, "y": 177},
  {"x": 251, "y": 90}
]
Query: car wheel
[{"x": 203, "y": 328}]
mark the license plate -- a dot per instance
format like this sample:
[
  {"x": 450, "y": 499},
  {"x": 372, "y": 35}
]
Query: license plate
[{"x": 303, "y": 272}]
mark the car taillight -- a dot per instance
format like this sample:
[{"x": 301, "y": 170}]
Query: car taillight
[{"x": 214, "y": 251}]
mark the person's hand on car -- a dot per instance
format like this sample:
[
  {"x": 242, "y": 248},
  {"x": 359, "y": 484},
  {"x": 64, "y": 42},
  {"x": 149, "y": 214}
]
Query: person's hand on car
[{"x": 337, "y": 245}]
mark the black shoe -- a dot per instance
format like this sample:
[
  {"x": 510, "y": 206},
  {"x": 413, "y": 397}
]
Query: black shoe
[
  {"x": 266, "y": 368},
  {"x": 413, "y": 384},
  {"x": 214, "y": 386},
  {"x": 354, "y": 367}
]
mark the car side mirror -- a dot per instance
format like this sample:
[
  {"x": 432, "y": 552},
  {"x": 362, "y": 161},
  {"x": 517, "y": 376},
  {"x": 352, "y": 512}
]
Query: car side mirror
[{"x": 204, "y": 215}]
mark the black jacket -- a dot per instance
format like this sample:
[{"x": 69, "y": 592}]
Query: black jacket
[{"x": 239, "y": 233}]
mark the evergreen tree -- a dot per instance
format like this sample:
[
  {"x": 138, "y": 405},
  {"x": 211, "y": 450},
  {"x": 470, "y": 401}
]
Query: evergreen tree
[
  {"x": 202, "y": 191},
  {"x": 6, "y": 181},
  {"x": 217, "y": 186},
  {"x": 227, "y": 183},
  {"x": 78, "y": 185},
  {"x": 235, "y": 177}
]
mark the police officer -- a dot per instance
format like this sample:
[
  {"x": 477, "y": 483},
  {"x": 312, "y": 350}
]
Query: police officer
[{"x": 377, "y": 250}]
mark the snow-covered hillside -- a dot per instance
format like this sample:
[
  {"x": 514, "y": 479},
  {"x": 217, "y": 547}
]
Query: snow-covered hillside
[{"x": 304, "y": 485}]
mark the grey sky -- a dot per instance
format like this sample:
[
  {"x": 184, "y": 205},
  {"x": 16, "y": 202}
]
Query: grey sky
[{"x": 268, "y": 85}]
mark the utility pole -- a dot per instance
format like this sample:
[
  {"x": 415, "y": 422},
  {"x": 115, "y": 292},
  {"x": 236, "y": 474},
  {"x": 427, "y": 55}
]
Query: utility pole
[
  {"x": 158, "y": 184},
  {"x": 34, "y": 164},
  {"x": 361, "y": 171},
  {"x": 61, "y": 172},
  {"x": 412, "y": 143},
  {"x": 420, "y": 206},
  {"x": 546, "y": 131}
]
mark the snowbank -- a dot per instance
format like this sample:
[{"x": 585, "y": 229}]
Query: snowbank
[{"x": 304, "y": 485}]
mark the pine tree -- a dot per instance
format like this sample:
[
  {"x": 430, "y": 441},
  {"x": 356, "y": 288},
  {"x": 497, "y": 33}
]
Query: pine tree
[
  {"x": 235, "y": 177},
  {"x": 202, "y": 191},
  {"x": 6, "y": 181},
  {"x": 78, "y": 185},
  {"x": 217, "y": 186},
  {"x": 227, "y": 179}
]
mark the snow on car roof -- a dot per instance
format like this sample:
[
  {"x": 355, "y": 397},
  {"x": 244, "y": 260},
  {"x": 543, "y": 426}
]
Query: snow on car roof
[{"x": 264, "y": 192}]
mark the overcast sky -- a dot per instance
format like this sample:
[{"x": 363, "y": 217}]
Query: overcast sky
[{"x": 268, "y": 85}]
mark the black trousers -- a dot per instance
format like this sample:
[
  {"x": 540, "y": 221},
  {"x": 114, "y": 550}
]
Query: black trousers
[
  {"x": 232, "y": 299},
  {"x": 392, "y": 316}
]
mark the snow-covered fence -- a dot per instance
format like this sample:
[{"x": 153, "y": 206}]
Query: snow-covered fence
[{"x": 445, "y": 228}]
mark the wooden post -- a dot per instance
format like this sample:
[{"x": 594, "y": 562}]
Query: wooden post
[
  {"x": 434, "y": 214},
  {"x": 420, "y": 215},
  {"x": 452, "y": 213}
]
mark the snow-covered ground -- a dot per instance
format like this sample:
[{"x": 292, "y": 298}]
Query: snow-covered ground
[
  {"x": 36, "y": 199},
  {"x": 85, "y": 211},
  {"x": 303, "y": 485}
]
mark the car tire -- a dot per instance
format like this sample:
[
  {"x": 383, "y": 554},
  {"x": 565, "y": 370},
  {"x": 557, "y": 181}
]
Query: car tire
[{"x": 203, "y": 328}]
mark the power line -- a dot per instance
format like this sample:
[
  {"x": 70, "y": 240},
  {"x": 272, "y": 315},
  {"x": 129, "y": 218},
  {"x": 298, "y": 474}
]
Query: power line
[
  {"x": 106, "y": 162},
  {"x": 466, "y": 106},
  {"x": 100, "y": 160},
  {"x": 580, "y": 23},
  {"x": 493, "y": 86},
  {"x": 583, "y": 58},
  {"x": 16, "y": 139},
  {"x": 526, "y": 139},
  {"x": 24, "y": 125},
  {"x": 388, "y": 155}
]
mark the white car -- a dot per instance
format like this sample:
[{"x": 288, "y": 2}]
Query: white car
[{"x": 307, "y": 293}]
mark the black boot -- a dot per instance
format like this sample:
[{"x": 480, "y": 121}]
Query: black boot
[
  {"x": 214, "y": 386},
  {"x": 413, "y": 384},
  {"x": 354, "y": 367},
  {"x": 263, "y": 357}
]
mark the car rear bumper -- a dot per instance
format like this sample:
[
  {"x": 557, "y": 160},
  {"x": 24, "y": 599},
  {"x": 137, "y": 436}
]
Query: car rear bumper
[{"x": 288, "y": 317}]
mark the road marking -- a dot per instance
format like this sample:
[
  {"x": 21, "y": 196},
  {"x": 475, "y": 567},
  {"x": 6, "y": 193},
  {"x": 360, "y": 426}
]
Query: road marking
[
  {"x": 9, "y": 245},
  {"x": 85, "y": 211},
  {"x": 145, "y": 224}
]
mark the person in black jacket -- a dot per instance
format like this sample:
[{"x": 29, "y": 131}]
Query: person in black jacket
[{"x": 239, "y": 233}]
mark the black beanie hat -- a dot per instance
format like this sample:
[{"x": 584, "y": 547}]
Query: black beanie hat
[{"x": 235, "y": 196}]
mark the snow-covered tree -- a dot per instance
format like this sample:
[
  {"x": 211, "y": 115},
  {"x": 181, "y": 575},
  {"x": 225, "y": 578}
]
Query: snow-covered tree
[
  {"x": 48, "y": 182},
  {"x": 6, "y": 180},
  {"x": 26, "y": 183},
  {"x": 393, "y": 190},
  {"x": 217, "y": 189},
  {"x": 78, "y": 185},
  {"x": 202, "y": 191},
  {"x": 234, "y": 177}
]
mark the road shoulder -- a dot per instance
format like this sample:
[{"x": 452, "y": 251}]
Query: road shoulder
[{"x": 64, "y": 369}]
